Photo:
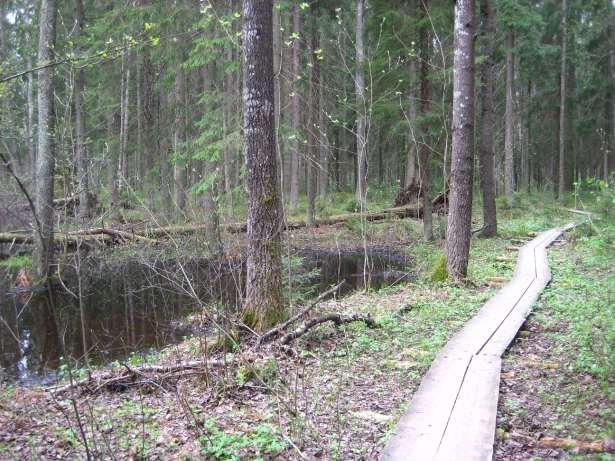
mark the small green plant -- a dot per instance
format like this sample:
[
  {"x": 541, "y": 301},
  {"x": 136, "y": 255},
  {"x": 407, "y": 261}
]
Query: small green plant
[
  {"x": 439, "y": 272},
  {"x": 217, "y": 444},
  {"x": 17, "y": 262}
]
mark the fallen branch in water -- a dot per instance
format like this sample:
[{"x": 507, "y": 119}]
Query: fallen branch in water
[
  {"x": 337, "y": 319},
  {"x": 274, "y": 331}
]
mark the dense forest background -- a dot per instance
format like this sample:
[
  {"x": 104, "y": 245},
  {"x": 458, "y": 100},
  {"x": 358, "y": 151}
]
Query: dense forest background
[{"x": 147, "y": 97}]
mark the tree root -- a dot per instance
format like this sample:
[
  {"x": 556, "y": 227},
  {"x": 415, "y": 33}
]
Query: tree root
[{"x": 277, "y": 330}]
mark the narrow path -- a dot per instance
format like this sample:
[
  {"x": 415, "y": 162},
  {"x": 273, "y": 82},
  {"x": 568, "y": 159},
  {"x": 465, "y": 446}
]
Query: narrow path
[{"x": 452, "y": 414}]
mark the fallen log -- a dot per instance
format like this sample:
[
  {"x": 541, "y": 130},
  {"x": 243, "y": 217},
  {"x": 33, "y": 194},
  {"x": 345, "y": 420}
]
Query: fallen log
[
  {"x": 61, "y": 239},
  {"x": 117, "y": 234},
  {"x": 579, "y": 446},
  {"x": 410, "y": 211}
]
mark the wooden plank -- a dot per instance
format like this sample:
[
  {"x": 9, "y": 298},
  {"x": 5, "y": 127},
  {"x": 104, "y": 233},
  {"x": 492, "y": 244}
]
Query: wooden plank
[
  {"x": 471, "y": 427},
  {"x": 419, "y": 431}
]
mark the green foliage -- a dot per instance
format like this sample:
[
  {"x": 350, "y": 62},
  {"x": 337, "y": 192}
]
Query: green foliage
[
  {"x": 439, "y": 272},
  {"x": 262, "y": 440},
  {"x": 17, "y": 262}
]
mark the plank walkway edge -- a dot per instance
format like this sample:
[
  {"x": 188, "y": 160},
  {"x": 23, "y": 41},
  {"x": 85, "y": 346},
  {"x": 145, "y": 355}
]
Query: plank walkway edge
[{"x": 452, "y": 415}]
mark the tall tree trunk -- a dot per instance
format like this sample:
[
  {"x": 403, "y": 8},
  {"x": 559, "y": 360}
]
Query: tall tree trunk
[
  {"x": 312, "y": 128},
  {"x": 43, "y": 249},
  {"x": 296, "y": 117},
  {"x": 424, "y": 169},
  {"x": 413, "y": 101},
  {"x": 179, "y": 137},
  {"x": 487, "y": 150},
  {"x": 263, "y": 306},
  {"x": 81, "y": 154},
  {"x": 460, "y": 207},
  {"x": 562, "y": 107},
  {"x": 509, "y": 165},
  {"x": 361, "y": 106}
]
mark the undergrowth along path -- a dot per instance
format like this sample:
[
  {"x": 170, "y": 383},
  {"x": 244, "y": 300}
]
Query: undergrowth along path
[{"x": 453, "y": 413}]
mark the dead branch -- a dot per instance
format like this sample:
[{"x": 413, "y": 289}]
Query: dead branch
[
  {"x": 274, "y": 331},
  {"x": 579, "y": 446},
  {"x": 337, "y": 319},
  {"x": 135, "y": 376}
]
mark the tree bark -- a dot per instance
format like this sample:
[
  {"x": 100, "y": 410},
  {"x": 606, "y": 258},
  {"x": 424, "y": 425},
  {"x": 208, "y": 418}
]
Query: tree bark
[
  {"x": 43, "y": 250},
  {"x": 361, "y": 106},
  {"x": 263, "y": 306},
  {"x": 460, "y": 207},
  {"x": 81, "y": 154},
  {"x": 562, "y": 108},
  {"x": 296, "y": 117},
  {"x": 487, "y": 149},
  {"x": 179, "y": 137},
  {"x": 509, "y": 166},
  {"x": 424, "y": 169}
]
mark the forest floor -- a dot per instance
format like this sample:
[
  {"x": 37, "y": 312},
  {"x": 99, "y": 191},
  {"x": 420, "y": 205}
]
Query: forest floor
[{"x": 340, "y": 396}]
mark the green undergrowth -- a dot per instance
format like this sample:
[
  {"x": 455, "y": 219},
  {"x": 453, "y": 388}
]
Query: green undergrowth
[{"x": 17, "y": 262}]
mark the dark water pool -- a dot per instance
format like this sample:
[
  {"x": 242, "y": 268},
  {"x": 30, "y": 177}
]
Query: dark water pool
[{"x": 134, "y": 306}]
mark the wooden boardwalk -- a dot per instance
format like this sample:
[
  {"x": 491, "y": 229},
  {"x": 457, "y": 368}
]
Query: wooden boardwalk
[{"x": 452, "y": 414}]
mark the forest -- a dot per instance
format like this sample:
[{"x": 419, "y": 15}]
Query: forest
[{"x": 260, "y": 229}]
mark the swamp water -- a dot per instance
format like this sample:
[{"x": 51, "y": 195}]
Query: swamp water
[{"x": 136, "y": 306}]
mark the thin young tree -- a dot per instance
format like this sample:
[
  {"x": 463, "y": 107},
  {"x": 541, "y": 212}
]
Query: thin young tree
[
  {"x": 486, "y": 149},
  {"x": 179, "y": 138},
  {"x": 509, "y": 166},
  {"x": 312, "y": 128},
  {"x": 460, "y": 208},
  {"x": 81, "y": 154},
  {"x": 562, "y": 106},
  {"x": 263, "y": 306},
  {"x": 360, "y": 103},
  {"x": 295, "y": 158},
  {"x": 424, "y": 111},
  {"x": 45, "y": 162}
]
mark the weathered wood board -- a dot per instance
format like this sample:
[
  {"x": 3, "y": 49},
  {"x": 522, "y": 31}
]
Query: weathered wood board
[{"x": 452, "y": 414}]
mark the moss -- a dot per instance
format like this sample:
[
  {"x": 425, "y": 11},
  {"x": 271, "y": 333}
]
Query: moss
[{"x": 439, "y": 272}]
